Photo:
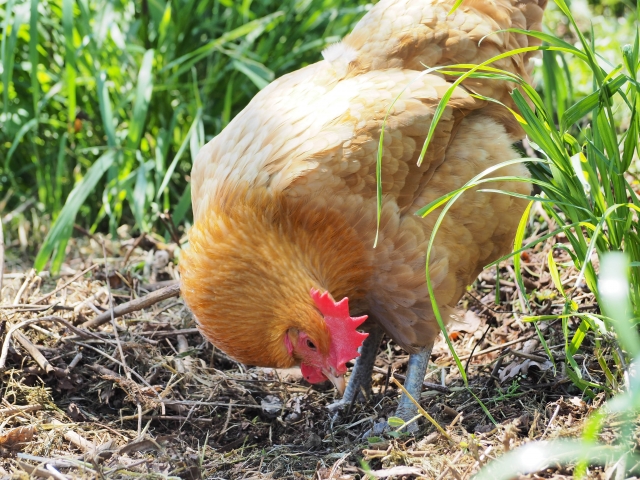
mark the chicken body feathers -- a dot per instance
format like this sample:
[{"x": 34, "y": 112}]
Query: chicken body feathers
[{"x": 313, "y": 137}]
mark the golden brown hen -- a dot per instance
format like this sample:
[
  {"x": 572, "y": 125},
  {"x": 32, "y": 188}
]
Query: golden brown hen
[{"x": 284, "y": 199}]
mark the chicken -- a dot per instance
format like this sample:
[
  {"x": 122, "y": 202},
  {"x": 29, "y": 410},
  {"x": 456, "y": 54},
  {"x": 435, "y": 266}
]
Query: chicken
[{"x": 281, "y": 269}]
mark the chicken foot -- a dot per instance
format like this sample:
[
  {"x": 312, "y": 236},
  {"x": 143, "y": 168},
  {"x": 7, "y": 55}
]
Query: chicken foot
[
  {"x": 360, "y": 378},
  {"x": 416, "y": 370}
]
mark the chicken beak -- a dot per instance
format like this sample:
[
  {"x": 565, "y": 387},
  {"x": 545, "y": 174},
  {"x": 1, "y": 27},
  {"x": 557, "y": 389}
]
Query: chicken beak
[{"x": 338, "y": 381}]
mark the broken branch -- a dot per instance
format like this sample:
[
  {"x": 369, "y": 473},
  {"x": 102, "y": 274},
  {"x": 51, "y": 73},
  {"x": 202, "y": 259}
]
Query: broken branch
[{"x": 134, "y": 305}]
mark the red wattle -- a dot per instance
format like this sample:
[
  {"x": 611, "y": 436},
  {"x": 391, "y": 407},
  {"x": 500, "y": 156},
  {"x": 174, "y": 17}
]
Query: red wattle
[{"x": 312, "y": 374}]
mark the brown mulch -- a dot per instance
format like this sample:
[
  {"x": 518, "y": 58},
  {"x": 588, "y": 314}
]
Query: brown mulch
[{"x": 142, "y": 394}]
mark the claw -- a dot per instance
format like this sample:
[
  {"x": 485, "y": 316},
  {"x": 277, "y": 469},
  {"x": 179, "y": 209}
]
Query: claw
[{"x": 383, "y": 427}]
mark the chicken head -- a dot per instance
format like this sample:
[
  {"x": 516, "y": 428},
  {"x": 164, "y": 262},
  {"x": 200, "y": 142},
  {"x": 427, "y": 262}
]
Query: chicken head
[
  {"x": 344, "y": 341},
  {"x": 272, "y": 304}
]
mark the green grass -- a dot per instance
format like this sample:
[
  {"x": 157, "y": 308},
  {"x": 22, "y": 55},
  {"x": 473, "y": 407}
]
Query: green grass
[
  {"x": 105, "y": 104},
  {"x": 623, "y": 409},
  {"x": 589, "y": 149}
]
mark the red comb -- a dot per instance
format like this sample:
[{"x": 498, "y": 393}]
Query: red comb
[{"x": 345, "y": 339}]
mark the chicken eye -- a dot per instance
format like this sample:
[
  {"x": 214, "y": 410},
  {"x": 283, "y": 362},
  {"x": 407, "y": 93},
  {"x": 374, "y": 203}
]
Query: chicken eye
[{"x": 311, "y": 345}]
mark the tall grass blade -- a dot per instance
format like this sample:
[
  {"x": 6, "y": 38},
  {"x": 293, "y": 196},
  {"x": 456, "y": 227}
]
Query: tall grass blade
[
  {"x": 186, "y": 61},
  {"x": 176, "y": 159},
  {"x": 33, "y": 56},
  {"x": 144, "y": 89},
  {"x": 70, "y": 58},
  {"x": 106, "y": 111},
  {"x": 59, "y": 175},
  {"x": 6, "y": 72},
  {"x": 62, "y": 227}
]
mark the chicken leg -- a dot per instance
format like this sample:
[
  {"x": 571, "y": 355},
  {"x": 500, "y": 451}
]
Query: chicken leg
[
  {"x": 416, "y": 369},
  {"x": 360, "y": 378}
]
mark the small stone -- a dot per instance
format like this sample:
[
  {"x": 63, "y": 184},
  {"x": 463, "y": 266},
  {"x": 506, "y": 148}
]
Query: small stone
[
  {"x": 271, "y": 406},
  {"x": 313, "y": 441}
]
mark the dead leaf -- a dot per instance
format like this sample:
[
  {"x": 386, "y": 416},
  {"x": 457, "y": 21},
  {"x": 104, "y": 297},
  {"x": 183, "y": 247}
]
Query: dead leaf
[
  {"x": 578, "y": 402},
  {"x": 469, "y": 323},
  {"x": 75, "y": 413},
  {"x": 521, "y": 366},
  {"x": 17, "y": 436},
  {"x": 313, "y": 440},
  {"x": 530, "y": 346}
]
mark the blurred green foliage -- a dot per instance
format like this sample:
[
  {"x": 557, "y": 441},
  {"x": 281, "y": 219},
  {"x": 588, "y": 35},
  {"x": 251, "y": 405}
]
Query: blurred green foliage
[{"x": 104, "y": 107}]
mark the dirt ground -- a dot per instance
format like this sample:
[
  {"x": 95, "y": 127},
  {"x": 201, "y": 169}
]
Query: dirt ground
[{"x": 143, "y": 395}]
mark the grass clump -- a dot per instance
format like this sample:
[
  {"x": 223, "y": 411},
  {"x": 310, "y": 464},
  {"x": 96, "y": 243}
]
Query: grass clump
[
  {"x": 588, "y": 151},
  {"x": 622, "y": 410}
]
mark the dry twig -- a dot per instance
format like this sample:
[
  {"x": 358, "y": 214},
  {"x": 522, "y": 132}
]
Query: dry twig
[
  {"x": 173, "y": 418},
  {"x": 422, "y": 411},
  {"x": 113, "y": 319},
  {"x": 42, "y": 362},
  {"x": 151, "y": 287},
  {"x": 103, "y": 370},
  {"x": 529, "y": 356},
  {"x": 14, "y": 410},
  {"x": 7, "y": 339},
  {"x": 40, "y": 472},
  {"x": 66, "y": 284},
  {"x": 500, "y": 347},
  {"x": 168, "y": 333},
  {"x": 133, "y": 247},
  {"x": 87, "y": 446},
  {"x": 134, "y": 305},
  {"x": 23, "y": 287}
]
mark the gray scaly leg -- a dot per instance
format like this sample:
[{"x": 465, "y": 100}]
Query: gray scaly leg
[
  {"x": 363, "y": 368},
  {"x": 416, "y": 369}
]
